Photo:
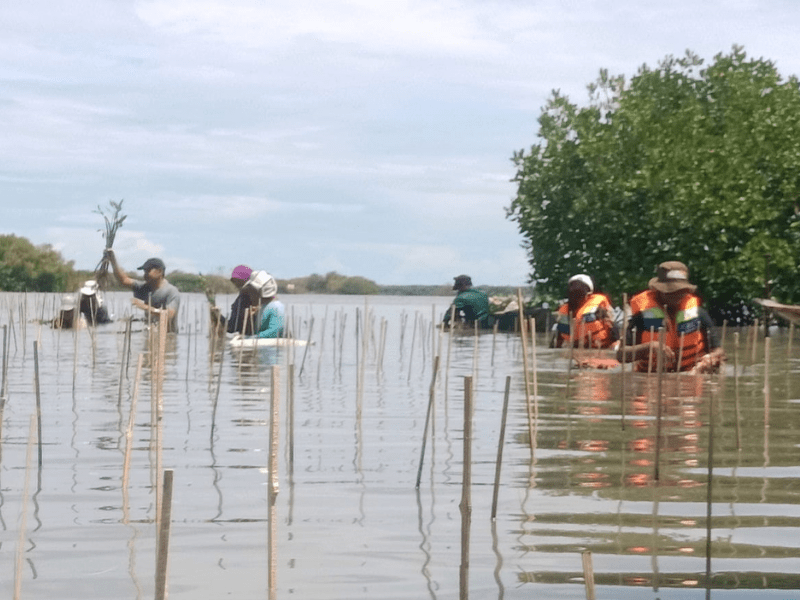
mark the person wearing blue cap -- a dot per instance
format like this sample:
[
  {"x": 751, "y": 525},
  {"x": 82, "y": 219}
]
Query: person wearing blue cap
[{"x": 155, "y": 294}]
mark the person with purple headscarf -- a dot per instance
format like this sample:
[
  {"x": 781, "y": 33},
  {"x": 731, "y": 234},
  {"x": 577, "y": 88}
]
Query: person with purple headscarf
[{"x": 237, "y": 320}]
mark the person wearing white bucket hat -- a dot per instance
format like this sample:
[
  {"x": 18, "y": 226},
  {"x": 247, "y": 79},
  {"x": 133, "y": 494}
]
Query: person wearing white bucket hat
[
  {"x": 267, "y": 312},
  {"x": 586, "y": 317},
  {"x": 91, "y": 304}
]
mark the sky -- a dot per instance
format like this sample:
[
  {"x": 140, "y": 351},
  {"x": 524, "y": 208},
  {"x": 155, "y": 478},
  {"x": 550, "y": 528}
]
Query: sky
[{"x": 369, "y": 138}]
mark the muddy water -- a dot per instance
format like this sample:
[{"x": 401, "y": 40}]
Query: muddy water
[{"x": 348, "y": 521}]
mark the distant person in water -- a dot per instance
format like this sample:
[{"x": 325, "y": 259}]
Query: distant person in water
[
  {"x": 587, "y": 318},
  {"x": 91, "y": 306},
  {"x": 265, "y": 310},
  {"x": 155, "y": 294},
  {"x": 470, "y": 305},
  {"x": 237, "y": 321},
  {"x": 67, "y": 315}
]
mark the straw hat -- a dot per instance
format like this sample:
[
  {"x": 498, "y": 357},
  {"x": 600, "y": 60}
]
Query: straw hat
[{"x": 671, "y": 276}]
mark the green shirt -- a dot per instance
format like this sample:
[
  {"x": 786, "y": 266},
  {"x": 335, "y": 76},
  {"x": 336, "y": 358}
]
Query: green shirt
[{"x": 472, "y": 305}]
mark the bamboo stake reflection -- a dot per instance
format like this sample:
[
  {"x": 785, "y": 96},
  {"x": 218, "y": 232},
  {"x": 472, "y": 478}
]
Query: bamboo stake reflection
[{"x": 466, "y": 499}]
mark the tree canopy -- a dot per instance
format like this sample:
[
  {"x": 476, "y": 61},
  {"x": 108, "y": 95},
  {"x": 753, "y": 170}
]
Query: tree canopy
[
  {"x": 28, "y": 268},
  {"x": 683, "y": 162}
]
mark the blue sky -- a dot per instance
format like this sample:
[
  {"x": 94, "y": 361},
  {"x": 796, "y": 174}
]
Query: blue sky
[{"x": 368, "y": 138}]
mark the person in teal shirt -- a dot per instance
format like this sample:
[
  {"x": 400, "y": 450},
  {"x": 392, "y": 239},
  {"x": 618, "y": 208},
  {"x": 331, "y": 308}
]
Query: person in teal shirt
[
  {"x": 262, "y": 290},
  {"x": 470, "y": 305}
]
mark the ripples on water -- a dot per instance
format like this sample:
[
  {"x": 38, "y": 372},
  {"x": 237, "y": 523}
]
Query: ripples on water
[{"x": 348, "y": 520}]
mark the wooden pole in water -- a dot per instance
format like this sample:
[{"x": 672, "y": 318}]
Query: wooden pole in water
[
  {"x": 428, "y": 414},
  {"x": 4, "y": 364},
  {"x": 736, "y": 390},
  {"x": 588, "y": 574},
  {"x": 661, "y": 334},
  {"x": 24, "y": 512},
  {"x": 494, "y": 338},
  {"x": 272, "y": 485},
  {"x": 535, "y": 371},
  {"x": 466, "y": 499},
  {"x": 623, "y": 343},
  {"x": 129, "y": 436},
  {"x": 755, "y": 339},
  {"x": 274, "y": 402},
  {"x": 290, "y": 411},
  {"x": 500, "y": 443},
  {"x": 165, "y": 520},
  {"x": 709, "y": 495},
  {"x": 525, "y": 373},
  {"x": 38, "y": 399},
  {"x": 788, "y": 344}
]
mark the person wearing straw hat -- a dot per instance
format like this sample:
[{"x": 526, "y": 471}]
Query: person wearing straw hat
[
  {"x": 266, "y": 311},
  {"x": 587, "y": 317},
  {"x": 469, "y": 305},
  {"x": 155, "y": 294},
  {"x": 236, "y": 321},
  {"x": 691, "y": 342},
  {"x": 91, "y": 304}
]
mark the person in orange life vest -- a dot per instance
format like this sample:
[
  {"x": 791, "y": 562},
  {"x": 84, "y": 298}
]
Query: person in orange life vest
[
  {"x": 690, "y": 337},
  {"x": 592, "y": 317}
]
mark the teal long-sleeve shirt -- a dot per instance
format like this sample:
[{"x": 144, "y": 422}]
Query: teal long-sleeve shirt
[{"x": 272, "y": 320}]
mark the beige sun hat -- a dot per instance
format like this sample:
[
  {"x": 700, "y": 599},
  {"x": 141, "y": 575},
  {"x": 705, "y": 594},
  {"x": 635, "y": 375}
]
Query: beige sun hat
[{"x": 671, "y": 276}]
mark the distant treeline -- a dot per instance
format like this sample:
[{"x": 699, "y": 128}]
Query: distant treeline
[{"x": 25, "y": 267}]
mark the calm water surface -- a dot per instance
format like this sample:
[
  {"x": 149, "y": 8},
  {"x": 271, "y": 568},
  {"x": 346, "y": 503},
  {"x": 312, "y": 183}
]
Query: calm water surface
[{"x": 349, "y": 522}]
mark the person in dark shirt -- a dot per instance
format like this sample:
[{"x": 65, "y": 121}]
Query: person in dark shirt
[{"x": 470, "y": 305}]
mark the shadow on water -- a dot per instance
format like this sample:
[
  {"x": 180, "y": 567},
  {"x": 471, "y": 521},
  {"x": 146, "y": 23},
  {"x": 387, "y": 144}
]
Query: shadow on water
[{"x": 348, "y": 521}]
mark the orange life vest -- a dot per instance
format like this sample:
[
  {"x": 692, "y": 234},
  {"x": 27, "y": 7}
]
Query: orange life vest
[
  {"x": 686, "y": 324},
  {"x": 587, "y": 322}
]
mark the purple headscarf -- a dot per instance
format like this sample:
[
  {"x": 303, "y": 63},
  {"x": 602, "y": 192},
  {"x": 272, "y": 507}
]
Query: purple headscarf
[{"x": 241, "y": 272}]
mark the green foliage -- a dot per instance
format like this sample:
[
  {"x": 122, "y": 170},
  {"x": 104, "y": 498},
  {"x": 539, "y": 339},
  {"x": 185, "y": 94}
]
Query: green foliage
[
  {"x": 196, "y": 283},
  {"x": 682, "y": 162},
  {"x": 25, "y": 267},
  {"x": 330, "y": 283}
]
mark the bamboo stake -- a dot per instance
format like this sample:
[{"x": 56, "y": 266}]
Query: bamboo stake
[
  {"x": 525, "y": 374},
  {"x": 428, "y": 414},
  {"x": 272, "y": 488},
  {"x": 535, "y": 373},
  {"x": 38, "y": 399},
  {"x": 290, "y": 411},
  {"x": 588, "y": 574},
  {"x": 165, "y": 520},
  {"x": 308, "y": 343},
  {"x": 736, "y": 390},
  {"x": 500, "y": 443},
  {"x": 413, "y": 339},
  {"x": 709, "y": 495},
  {"x": 24, "y": 512},
  {"x": 274, "y": 401},
  {"x": 755, "y": 339},
  {"x": 129, "y": 438},
  {"x": 4, "y": 383},
  {"x": 623, "y": 343},
  {"x": 494, "y": 338},
  {"x": 466, "y": 500},
  {"x": 660, "y": 367},
  {"x": 788, "y": 344}
]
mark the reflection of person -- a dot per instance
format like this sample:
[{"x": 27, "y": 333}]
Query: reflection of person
[
  {"x": 237, "y": 319},
  {"x": 91, "y": 304},
  {"x": 592, "y": 316},
  {"x": 671, "y": 302},
  {"x": 261, "y": 290},
  {"x": 153, "y": 295},
  {"x": 471, "y": 305}
]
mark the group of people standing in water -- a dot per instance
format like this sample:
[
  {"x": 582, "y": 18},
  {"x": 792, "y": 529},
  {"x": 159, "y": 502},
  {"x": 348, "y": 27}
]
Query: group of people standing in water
[
  {"x": 256, "y": 310},
  {"x": 670, "y": 303},
  {"x": 588, "y": 320}
]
